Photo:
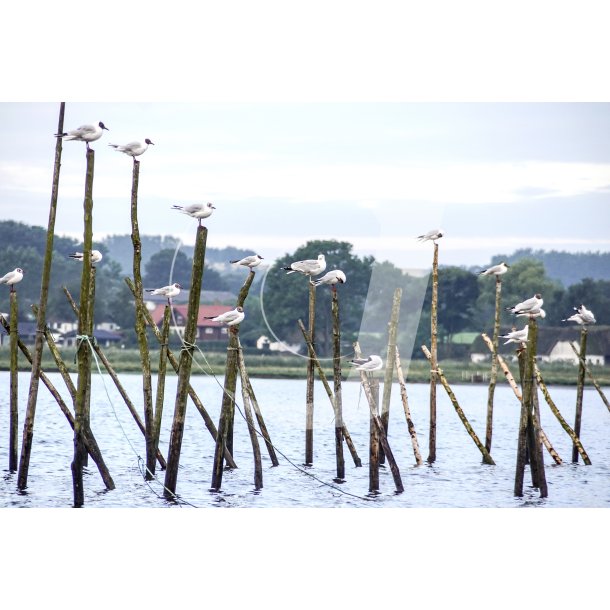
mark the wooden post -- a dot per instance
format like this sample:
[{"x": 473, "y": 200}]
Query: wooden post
[
  {"x": 85, "y": 325},
  {"x": 207, "y": 420},
  {"x": 494, "y": 366},
  {"x": 140, "y": 323},
  {"x": 329, "y": 393},
  {"x": 487, "y": 459},
  {"x": 30, "y": 414},
  {"x": 338, "y": 401},
  {"x": 374, "y": 448},
  {"x": 593, "y": 380},
  {"x": 434, "y": 357},
  {"x": 405, "y": 405},
  {"x": 580, "y": 390},
  {"x": 256, "y": 450},
  {"x": 309, "y": 398},
  {"x": 184, "y": 368},
  {"x": 389, "y": 367},
  {"x": 89, "y": 332},
  {"x": 14, "y": 385}
]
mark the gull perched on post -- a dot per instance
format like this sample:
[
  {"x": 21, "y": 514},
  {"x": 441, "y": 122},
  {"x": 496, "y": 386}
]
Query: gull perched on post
[
  {"x": 229, "y": 318},
  {"x": 431, "y": 235},
  {"x": 516, "y": 336},
  {"x": 133, "y": 149},
  {"x": 583, "y": 316},
  {"x": 84, "y": 133},
  {"x": 495, "y": 270},
  {"x": 249, "y": 261},
  {"x": 196, "y": 210},
  {"x": 96, "y": 256},
  {"x": 332, "y": 278},
  {"x": 12, "y": 278},
  {"x": 309, "y": 267},
  {"x": 166, "y": 291},
  {"x": 531, "y": 307},
  {"x": 370, "y": 364}
]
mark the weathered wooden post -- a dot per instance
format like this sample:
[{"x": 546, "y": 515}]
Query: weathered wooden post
[
  {"x": 405, "y": 404},
  {"x": 592, "y": 378},
  {"x": 580, "y": 390},
  {"x": 30, "y": 414},
  {"x": 14, "y": 384},
  {"x": 389, "y": 368},
  {"x": 309, "y": 397},
  {"x": 494, "y": 366},
  {"x": 91, "y": 296},
  {"x": 434, "y": 357},
  {"x": 184, "y": 368},
  {"x": 374, "y": 442},
  {"x": 338, "y": 400},
  {"x": 161, "y": 373}
]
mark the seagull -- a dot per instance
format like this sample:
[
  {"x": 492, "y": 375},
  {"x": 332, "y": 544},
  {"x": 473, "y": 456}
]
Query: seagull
[
  {"x": 166, "y": 291},
  {"x": 336, "y": 276},
  {"x": 249, "y": 261},
  {"x": 372, "y": 363},
  {"x": 133, "y": 149},
  {"x": 495, "y": 270},
  {"x": 12, "y": 278},
  {"x": 85, "y": 133},
  {"x": 431, "y": 235},
  {"x": 196, "y": 210},
  {"x": 96, "y": 256},
  {"x": 229, "y": 318},
  {"x": 583, "y": 316},
  {"x": 516, "y": 336},
  {"x": 531, "y": 306},
  {"x": 537, "y": 312},
  {"x": 308, "y": 267}
]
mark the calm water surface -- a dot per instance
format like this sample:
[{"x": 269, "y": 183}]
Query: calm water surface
[{"x": 457, "y": 479}]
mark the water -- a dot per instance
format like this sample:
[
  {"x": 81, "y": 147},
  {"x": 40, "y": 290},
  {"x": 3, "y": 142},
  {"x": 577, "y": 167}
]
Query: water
[{"x": 457, "y": 479}]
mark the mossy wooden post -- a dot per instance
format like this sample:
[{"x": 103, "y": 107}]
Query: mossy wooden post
[
  {"x": 580, "y": 390},
  {"x": 493, "y": 377},
  {"x": 14, "y": 385},
  {"x": 224, "y": 439},
  {"x": 434, "y": 358},
  {"x": 30, "y": 414},
  {"x": 140, "y": 324},
  {"x": 89, "y": 332},
  {"x": 161, "y": 372},
  {"x": 309, "y": 396},
  {"x": 256, "y": 450},
  {"x": 184, "y": 367},
  {"x": 85, "y": 323},
  {"x": 592, "y": 378},
  {"x": 389, "y": 367},
  {"x": 338, "y": 400},
  {"x": 374, "y": 447},
  {"x": 405, "y": 404}
]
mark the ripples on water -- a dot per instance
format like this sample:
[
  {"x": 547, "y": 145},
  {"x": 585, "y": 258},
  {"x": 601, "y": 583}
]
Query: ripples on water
[{"x": 457, "y": 479}]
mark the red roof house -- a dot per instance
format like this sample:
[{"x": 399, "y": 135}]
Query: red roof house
[{"x": 207, "y": 330}]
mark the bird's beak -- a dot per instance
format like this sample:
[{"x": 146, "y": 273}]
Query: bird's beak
[{"x": 106, "y": 128}]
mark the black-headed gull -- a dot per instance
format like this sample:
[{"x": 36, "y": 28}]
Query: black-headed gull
[
  {"x": 496, "y": 269},
  {"x": 336, "y": 276},
  {"x": 196, "y": 210},
  {"x": 516, "y": 336},
  {"x": 12, "y": 278},
  {"x": 166, "y": 291},
  {"x": 431, "y": 235},
  {"x": 528, "y": 307},
  {"x": 533, "y": 313},
  {"x": 308, "y": 267},
  {"x": 583, "y": 316},
  {"x": 372, "y": 363},
  {"x": 249, "y": 261},
  {"x": 84, "y": 133},
  {"x": 96, "y": 256},
  {"x": 133, "y": 149},
  {"x": 229, "y": 318}
]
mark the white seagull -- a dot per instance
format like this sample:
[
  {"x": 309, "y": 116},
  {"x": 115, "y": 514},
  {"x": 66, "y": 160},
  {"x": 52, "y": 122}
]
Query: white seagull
[
  {"x": 229, "y": 318},
  {"x": 85, "y": 133},
  {"x": 372, "y": 363},
  {"x": 583, "y": 316},
  {"x": 96, "y": 256},
  {"x": 12, "y": 278},
  {"x": 531, "y": 306},
  {"x": 516, "y": 336},
  {"x": 308, "y": 267},
  {"x": 133, "y": 149},
  {"x": 336, "y": 276},
  {"x": 166, "y": 291},
  {"x": 495, "y": 270},
  {"x": 537, "y": 312},
  {"x": 431, "y": 235},
  {"x": 196, "y": 210},
  {"x": 249, "y": 261}
]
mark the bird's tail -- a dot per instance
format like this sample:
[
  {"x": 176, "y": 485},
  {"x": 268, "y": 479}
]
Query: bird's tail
[
  {"x": 60, "y": 135},
  {"x": 75, "y": 256},
  {"x": 178, "y": 207},
  {"x": 149, "y": 289},
  {"x": 232, "y": 262},
  {"x": 114, "y": 145},
  {"x": 288, "y": 269}
]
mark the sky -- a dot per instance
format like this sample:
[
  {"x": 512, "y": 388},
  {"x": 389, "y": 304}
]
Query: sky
[{"x": 495, "y": 176}]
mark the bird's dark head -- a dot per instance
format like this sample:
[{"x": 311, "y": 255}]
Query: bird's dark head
[
  {"x": 259, "y": 256},
  {"x": 505, "y": 264},
  {"x": 102, "y": 126},
  {"x": 149, "y": 141},
  {"x": 538, "y": 295},
  {"x": 210, "y": 205}
]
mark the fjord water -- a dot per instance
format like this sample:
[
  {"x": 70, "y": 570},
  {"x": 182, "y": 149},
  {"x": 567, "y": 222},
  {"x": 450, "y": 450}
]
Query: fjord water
[{"x": 457, "y": 479}]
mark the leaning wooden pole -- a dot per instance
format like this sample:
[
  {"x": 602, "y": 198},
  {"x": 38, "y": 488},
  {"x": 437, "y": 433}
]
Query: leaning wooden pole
[
  {"x": 338, "y": 401},
  {"x": 591, "y": 377},
  {"x": 85, "y": 326},
  {"x": 405, "y": 405},
  {"x": 14, "y": 385},
  {"x": 487, "y": 459},
  {"x": 184, "y": 368},
  {"x": 433, "y": 358},
  {"x": 309, "y": 396},
  {"x": 494, "y": 366},
  {"x": 30, "y": 414},
  {"x": 389, "y": 368},
  {"x": 140, "y": 323},
  {"x": 582, "y": 357}
]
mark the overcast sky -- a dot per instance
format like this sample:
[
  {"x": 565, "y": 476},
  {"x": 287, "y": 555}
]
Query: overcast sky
[{"x": 496, "y": 177}]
